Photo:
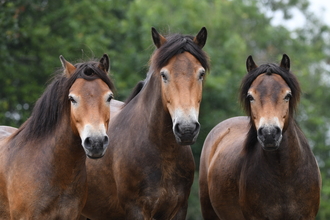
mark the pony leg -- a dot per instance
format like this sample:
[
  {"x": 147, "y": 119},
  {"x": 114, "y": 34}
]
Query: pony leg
[
  {"x": 204, "y": 197},
  {"x": 206, "y": 206}
]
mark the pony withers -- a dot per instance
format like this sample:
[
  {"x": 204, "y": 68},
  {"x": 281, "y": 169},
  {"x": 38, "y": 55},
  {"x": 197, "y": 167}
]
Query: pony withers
[
  {"x": 148, "y": 171},
  {"x": 42, "y": 164},
  {"x": 261, "y": 166}
]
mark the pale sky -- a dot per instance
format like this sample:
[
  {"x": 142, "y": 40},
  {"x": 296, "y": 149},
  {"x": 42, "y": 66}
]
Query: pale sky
[{"x": 321, "y": 9}]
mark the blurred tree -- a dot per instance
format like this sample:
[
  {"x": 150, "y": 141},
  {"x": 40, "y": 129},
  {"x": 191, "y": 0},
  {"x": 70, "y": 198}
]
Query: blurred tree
[{"x": 34, "y": 34}]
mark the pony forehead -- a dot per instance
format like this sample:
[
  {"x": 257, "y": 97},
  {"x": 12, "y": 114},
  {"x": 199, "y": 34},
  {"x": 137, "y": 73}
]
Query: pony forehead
[
  {"x": 92, "y": 86},
  {"x": 269, "y": 81},
  {"x": 183, "y": 61}
]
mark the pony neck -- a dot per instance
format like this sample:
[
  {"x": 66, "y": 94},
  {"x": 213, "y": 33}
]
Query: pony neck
[
  {"x": 61, "y": 144},
  {"x": 68, "y": 144},
  {"x": 292, "y": 150},
  {"x": 68, "y": 155},
  {"x": 157, "y": 117}
]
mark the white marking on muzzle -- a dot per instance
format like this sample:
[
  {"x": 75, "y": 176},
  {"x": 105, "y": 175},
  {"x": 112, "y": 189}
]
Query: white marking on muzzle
[
  {"x": 184, "y": 117},
  {"x": 269, "y": 122}
]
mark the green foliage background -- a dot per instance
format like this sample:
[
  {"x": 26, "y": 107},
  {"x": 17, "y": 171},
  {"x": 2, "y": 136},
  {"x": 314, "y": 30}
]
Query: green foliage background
[{"x": 34, "y": 33}]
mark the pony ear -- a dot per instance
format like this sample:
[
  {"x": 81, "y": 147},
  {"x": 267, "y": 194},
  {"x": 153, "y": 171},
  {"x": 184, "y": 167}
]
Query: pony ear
[
  {"x": 200, "y": 38},
  {"x": 104, "y": 63},
  {"x": 68, "y": 67},
  {"x": 285, "y": 62},
  {"x": 250, "y": 64},
  {"x": 158, "y": 39}
]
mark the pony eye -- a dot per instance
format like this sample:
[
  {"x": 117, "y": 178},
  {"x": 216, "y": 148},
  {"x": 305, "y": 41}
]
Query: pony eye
[
  {"x": 250, "y": 97},
  {"x": 72, "y": 100},
  {"x": 110, "y": 98},
  {"x": 163, "y": 75},
  {"x": 201, "y": 75},
  {"x": 288, "y": 97}
]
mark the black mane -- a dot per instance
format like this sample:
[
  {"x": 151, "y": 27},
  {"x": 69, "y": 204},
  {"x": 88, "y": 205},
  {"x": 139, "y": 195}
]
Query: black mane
[
  {"x": 135, "y": 91},
  {"x": 54, "y": 104}
]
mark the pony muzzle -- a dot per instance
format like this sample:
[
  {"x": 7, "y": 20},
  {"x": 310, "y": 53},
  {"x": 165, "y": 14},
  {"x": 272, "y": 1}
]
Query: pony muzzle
[
  {"x": 186, "y": 133},
  {"x": 269, "y": 137},
  {"x": 95, "y": 146}
]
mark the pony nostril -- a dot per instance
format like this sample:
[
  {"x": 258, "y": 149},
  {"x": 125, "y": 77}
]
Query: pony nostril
[
  {"x": 177, "y": 128},
  {"x": 197, "y": 127},
  {"x": 105, "y": 140},
  {"x": 260, "y": 131},
  {"x": 278, "y": 130},
  {"x": 88, "y": 142}
]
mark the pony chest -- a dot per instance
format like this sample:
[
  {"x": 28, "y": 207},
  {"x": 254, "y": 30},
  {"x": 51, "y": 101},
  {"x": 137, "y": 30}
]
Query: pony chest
[
  {"x": 167, "y": 179},
  {"x": 162, "y": 201},
  {"x": 166, "y": 184},
  {"x": 265, "y": 197},
  {"x": 38, "y": 182},
  {"x": 43, "y": 201}
]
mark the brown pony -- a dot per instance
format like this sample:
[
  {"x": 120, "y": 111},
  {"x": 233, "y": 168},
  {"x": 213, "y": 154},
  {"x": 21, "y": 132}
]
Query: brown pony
[
  {"x": 261, "y": 166},
  {"x": 42, "y": 164},
  {"x": 148, "y": 169}
]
